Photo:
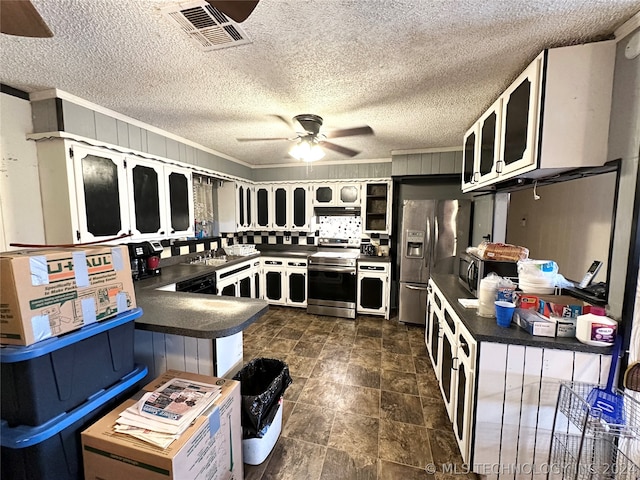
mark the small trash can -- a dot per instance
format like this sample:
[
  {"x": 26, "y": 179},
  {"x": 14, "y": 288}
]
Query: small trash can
[{"x": 263, "y": 382}]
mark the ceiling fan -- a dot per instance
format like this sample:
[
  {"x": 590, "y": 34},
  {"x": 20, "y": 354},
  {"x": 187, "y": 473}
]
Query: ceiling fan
[
  {"x": 309, "y": 140},
  {"x": 20, "y": 17}
]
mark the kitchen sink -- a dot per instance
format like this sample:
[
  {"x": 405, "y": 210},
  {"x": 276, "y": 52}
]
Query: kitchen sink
[{"x": 208, "y": 261}]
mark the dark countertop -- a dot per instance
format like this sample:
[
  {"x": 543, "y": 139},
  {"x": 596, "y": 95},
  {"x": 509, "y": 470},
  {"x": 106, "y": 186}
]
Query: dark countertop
[
  {"x": 486, "y": 330},
  {"x": 194, "y": 314},
  {"x": 269, "y": 250}
]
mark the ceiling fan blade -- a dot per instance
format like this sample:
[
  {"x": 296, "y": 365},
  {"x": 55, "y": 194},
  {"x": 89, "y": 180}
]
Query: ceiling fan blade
[
  {"x": 348, "y": 132},
  {"x": 339, "y": 149},
  {"x": 285, "y": 120},
  {"x": 260, "y": 139},
  {"x": 236, "y": 10},
  {"x": 20, "y": 17}
]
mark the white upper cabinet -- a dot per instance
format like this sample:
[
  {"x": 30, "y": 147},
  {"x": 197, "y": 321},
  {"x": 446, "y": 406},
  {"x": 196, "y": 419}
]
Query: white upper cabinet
[
  {"x": 339, "y": 194},
  {"x": 264, "y": 207},
  {"x": 160, "y": 200},
  {"x": 554, "y": 117},
  {"x": 301, "y": 210},
  {"x": 84, "y": 192},
  {"x": 349, "y": 194},
  {"x": 325, "y": 195},
  {"x": 147, "y": 189},
  {"x": 101, "y": 189},
  {"x": 92, "y": 193},
  {"x": 179, "y": 188},
  {"x": 235, "y": 206},
  {"x": 283, "y": 207},
  {"x": 519, "y": 126}
]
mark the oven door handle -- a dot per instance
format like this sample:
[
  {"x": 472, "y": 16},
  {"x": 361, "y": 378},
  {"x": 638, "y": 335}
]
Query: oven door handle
[{"x": 327, "y": 268}]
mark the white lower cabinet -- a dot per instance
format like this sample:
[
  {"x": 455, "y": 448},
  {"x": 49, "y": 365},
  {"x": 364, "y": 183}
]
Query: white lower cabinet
[
  {"x": 373, "y": 288},
  {"x": 296, "y": 275},
  {"x": 236, "y": 280},
  {"x": 273, "y": 284},
  {"x": 516, "y": 394},
  {"x": 219, "y": 357},
  {"x": 453, "y": 354},
  {"x": 435, "y": 317},
  {"x": 501, "y": 397},
  {"x": 284, "y": 281}
]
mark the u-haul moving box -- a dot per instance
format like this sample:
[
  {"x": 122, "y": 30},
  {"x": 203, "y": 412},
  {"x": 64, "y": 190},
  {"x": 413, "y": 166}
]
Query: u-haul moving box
[
  {"x": 48, "y": 292},
  {"x": 209, "y": 449}
]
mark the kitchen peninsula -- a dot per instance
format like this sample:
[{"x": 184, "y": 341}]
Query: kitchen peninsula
[
  {"x": 500, "y": 385},
  {"x": 191, "y": 332}
]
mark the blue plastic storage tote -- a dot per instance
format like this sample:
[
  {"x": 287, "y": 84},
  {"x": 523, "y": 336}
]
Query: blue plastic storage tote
[
  {"x": 58, "y": 374},
  {"x": 53, "y": 450}
]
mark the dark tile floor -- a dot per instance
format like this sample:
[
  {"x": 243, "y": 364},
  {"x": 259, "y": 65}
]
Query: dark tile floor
[{"x": 364, "y": 403}]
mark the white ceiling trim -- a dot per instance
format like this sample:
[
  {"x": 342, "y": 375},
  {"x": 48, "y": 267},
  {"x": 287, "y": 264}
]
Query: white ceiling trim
[
  {"x": 57, "y": 93},
  {"x": 627, "y": 27},
  {"x": 328, "y": 162},
  {"x": 426, "y": 150},
  {"x": 45, "y": 136}
]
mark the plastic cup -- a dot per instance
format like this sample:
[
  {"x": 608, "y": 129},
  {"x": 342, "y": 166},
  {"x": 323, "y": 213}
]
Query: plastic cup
[{"x": 504, "y": 312}]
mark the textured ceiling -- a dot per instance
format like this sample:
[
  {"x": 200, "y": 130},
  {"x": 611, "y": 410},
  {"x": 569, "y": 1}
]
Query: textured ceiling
[{"x": 419, "y": 72}]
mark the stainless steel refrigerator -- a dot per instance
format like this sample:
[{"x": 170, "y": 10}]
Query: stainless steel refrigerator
[{"x": 432, "y": 232}]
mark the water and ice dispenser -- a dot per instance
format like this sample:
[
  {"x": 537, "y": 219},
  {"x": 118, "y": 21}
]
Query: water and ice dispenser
[{"x": 415, "y": 244}]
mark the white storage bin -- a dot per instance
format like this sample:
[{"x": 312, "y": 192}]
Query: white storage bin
[{"x": 256, "y": 450}]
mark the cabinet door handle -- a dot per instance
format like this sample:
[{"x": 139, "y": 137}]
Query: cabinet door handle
[
  {"x": 499, "y": 165},
  {"x": 453, "y": 361}
]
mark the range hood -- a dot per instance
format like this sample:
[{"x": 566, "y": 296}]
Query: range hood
[{"x": 337, "y": 211}]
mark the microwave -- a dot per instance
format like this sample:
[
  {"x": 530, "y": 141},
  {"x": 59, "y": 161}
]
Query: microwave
[{"x": 472, "y": 269}]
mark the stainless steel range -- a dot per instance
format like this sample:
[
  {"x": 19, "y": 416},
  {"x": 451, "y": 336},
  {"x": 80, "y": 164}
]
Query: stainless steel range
[{"x": 332, "y": 281}]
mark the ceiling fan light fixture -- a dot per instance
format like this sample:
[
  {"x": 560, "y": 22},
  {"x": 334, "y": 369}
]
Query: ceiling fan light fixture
[{"x": 306, "y": 150}]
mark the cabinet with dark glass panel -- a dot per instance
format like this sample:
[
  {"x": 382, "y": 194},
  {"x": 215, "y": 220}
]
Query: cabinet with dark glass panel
[
  {"x": 469, "y": 157},
  {"x": 273, "y": 285},
  {"x": 263, "y": 207},
  {"x": 160, "y": 199},
  {"x": 92, "y": 193},
  {"x": 377, "y": 208},
  {"x": 553, "y": 117},
  {"x": 244, "y": 206},
  {"x": 179, "y": 187},
  {"x": 101, "y": 193},
  {"x": 296, "y": 283}
]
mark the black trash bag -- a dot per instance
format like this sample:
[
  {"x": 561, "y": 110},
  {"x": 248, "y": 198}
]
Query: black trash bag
[{"x": 263, "y": 382}]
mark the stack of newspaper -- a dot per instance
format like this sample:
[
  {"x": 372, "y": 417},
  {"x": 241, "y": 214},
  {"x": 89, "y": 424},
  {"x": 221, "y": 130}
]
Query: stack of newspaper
[{"x": 159, "y": 417}]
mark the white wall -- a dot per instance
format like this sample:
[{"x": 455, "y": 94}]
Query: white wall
[
  {"x": 624, "y": 143},
  {"x": 20, "y": 201}
]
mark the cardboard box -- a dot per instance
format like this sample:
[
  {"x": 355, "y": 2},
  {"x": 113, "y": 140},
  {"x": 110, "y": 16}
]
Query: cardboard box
[
  {"x": 211, "y": 448},
  {"x": 565, "y": 327},
  {"x": 48, "y": 292},
  {"x": 527, "y": 301},
  {"x": 560, "y": 306},
  {"x": 534, "y": 323}
]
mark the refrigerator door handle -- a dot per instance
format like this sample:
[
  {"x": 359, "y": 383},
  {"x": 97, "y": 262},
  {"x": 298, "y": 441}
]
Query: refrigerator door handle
[
  {"x": 413, "y": 287},
  {"x": 427, "y": 244}
]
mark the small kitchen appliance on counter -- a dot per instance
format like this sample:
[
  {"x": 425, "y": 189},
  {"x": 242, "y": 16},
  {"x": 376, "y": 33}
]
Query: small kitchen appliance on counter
[{"x": 145, "y": 259}]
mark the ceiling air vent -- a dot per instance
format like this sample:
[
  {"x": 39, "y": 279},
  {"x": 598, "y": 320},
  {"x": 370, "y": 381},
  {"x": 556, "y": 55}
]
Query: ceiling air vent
[{"x": 207, "y": 26}]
